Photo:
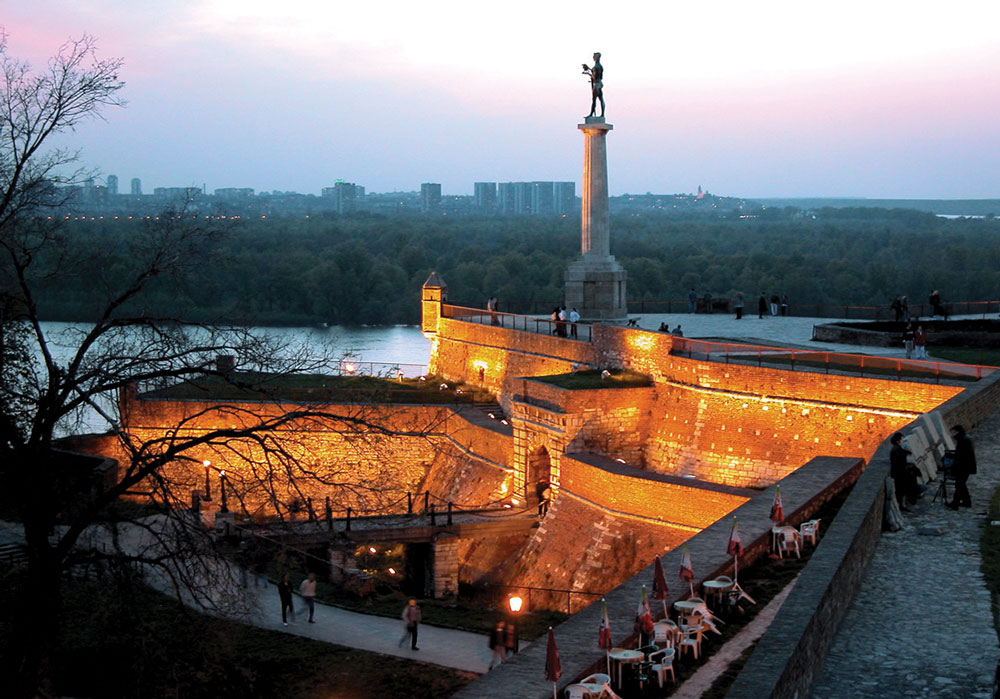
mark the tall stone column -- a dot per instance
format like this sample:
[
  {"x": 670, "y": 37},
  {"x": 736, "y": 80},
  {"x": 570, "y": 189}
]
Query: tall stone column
[{"x": 595, "y": 281}]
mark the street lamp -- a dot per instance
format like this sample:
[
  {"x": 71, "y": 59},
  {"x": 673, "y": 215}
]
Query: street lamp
[
  {"x": 515, "y": 602},
  {"x": 208, "y": 487},
  {"x": 222, "y": 482}
]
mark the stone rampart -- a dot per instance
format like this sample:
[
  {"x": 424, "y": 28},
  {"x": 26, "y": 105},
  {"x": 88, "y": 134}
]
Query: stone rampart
[{"x": 792, "y": 650}]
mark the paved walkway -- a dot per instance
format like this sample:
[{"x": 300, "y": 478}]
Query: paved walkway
[
  {"x": 447, "y": 647},
  {"x": 921, "y": 624}
]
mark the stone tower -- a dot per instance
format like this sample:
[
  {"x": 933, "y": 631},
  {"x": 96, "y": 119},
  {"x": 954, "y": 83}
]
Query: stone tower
[{"x": 595, "y": 281}]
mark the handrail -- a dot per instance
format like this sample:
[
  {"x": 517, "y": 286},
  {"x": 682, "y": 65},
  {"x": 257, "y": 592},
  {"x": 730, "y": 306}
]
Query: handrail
[
  {"x": 808, "y": 310},
  {"x": 529, "y": 588},
  {"x": 811, "y": 360},
  {"x": 514, "y": 321}
]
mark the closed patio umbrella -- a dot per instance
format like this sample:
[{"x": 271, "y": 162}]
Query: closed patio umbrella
[
  {"x": 660, "y": 590},
  {"x": 735, "y": 549},
  {"x": 686, "y": 572},
  {"x": 553, "y": 670},
  {"x": 777, "y": 512},
  {"x": 604, "y": 634},
  {"x": 643, "y": 617}
]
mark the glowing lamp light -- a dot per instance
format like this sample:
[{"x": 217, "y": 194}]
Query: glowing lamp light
[
  {"x": 371, "y": 549},
  {"x": 349, "y": 368},
  {"x": 621, "y": 460},
  {"x": 492, "y": 416},
  {"x": 423, "y": 378},
  {"x": 515, "y": 502},
  {"x": 507, "y": 505},
  {"x": 503, "y": 488},
  {"x": 503, "y": 422},
  {"x": 392, "y": 571},
  {"x": 515, "y": 602},
  {"x": 605, "y": 374},
  {"x": 206, "y": 463}
]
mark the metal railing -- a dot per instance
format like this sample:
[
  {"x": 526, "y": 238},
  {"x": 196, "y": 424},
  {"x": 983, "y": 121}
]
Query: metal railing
[
  {"x": 514, "y": 321},
  {"x": 550, "y": 591},
  {"x": 810, "y": 360},
  {"x": 805, "y": 310}
]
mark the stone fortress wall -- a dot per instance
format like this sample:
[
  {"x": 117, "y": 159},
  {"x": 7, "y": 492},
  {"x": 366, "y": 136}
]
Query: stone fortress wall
[{"x": 701, "y": 423}]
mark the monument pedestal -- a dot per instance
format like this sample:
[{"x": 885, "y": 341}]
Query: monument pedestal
[
  {"x": 595, "y": 281},
  {"x": 595, "y": 287}
]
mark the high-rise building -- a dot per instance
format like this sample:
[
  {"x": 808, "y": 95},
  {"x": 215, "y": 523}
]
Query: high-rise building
[
  {"x": 344, "y": 195},
  {"x": 430, "y": 197},
  {"x": 136, "y": 186},
  {"x": 113, "y": 184},
  {"x": 564, "y": 197},
  {"x": 522, "y": 198},
  {"x": 505, "y": 198},
  {"x": 541, "y": 198},
  {"x": 485, "y": 196}
]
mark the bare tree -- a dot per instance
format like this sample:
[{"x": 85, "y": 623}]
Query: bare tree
[{"x": 47, "y": 380}]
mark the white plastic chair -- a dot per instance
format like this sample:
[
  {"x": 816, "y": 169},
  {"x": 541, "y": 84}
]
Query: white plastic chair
[
  {"x": 663, "y": 662},
  {"x": 665, "y": 633},
  {"x": 692, "y": 639},
  {"x": 577, "y": 691},
  {"x": 596, "y": 678},
  {"x": 809, "y": 531},
  {"x": 789, "y": 541}
]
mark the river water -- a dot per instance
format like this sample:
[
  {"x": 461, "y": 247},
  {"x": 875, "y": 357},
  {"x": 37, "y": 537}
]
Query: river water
[{"x": 369, "y": 349}]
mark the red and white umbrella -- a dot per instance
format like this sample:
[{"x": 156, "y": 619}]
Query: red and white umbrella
[
  {"x": 643, "y": 617},
  {"x": 660, "y": 590},
  {"x": 777, "y": 512},
  {"x": 735, "y": 548},
  {"x": 686, "y": 572},
  {"x": 604, "y": 634},
  {"x": 553, "y": 670}
]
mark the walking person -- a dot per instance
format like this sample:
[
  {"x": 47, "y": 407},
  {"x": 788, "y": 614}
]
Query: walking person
[
  {"x": 511, "y": 641},
  {"x": 285, "y": 594},
  {"x": 498, "y": 644},
  {"x": 761, "y": 306},
  {"x": 308, "y": 591},
  {"x": 738, "y": 305},
  {"x": 411, "y": 623},
  {"x": 962, "y": 467},
  {"x": 774, "y": 304}
]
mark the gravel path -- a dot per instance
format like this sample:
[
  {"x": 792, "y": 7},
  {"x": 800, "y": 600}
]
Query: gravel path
[{"x": 921, "y": 624}]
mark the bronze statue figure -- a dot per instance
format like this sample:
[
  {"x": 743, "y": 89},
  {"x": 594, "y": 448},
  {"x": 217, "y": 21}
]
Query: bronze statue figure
[{"x": 596, "y": 84}]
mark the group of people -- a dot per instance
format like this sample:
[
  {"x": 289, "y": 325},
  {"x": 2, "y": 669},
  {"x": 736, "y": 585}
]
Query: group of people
[
  {"x": 776, "y": 304},
  {"x": 503, "y": 642},
  {"x": 904, "y": 474},
  {"x": 308, "y": 591},
  {"x": 915, "y": 342},
  {"x": 561, "y": 318}
]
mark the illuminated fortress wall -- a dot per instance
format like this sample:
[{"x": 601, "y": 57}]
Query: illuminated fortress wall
[
  {"x": 727, "y": 423},
  {"x": 368, "y": 456}
]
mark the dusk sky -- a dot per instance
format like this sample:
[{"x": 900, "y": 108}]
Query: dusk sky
[{"x": 766, "y": 99}]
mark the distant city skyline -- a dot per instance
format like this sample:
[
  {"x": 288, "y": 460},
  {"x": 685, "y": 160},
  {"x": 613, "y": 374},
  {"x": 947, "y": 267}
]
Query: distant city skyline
[{"x": 786, "y": 99}]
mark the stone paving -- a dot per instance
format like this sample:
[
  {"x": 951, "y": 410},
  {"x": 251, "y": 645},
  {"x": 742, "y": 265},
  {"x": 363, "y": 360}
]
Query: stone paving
[{"x": 921, "y": 624}]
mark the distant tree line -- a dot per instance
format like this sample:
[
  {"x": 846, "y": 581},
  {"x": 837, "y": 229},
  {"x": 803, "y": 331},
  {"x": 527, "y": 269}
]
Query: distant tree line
[{"x": 367, "y": 269}]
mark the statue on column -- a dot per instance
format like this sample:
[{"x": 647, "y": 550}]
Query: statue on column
[{"x": 596, "y": 84}]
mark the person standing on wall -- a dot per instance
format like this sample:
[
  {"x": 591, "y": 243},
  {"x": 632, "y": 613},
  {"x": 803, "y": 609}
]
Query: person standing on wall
[
  {"x": 784, "y": 305},
  {"x": 692, "y": 300},
  {"x": 308, "y": 591},
  {"x": 761, "y": 306},
  {"x": 738, "y": 305},
  {"x": 962, "y": 467},
  {"x": 574, "y": 318},
  {"x": 411, "y": 623},
  {"x": 285, "y": 594}
]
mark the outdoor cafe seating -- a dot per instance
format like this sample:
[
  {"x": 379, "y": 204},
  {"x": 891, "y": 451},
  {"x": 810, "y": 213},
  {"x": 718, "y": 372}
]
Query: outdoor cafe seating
[{"x": 665, "y": 633}]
